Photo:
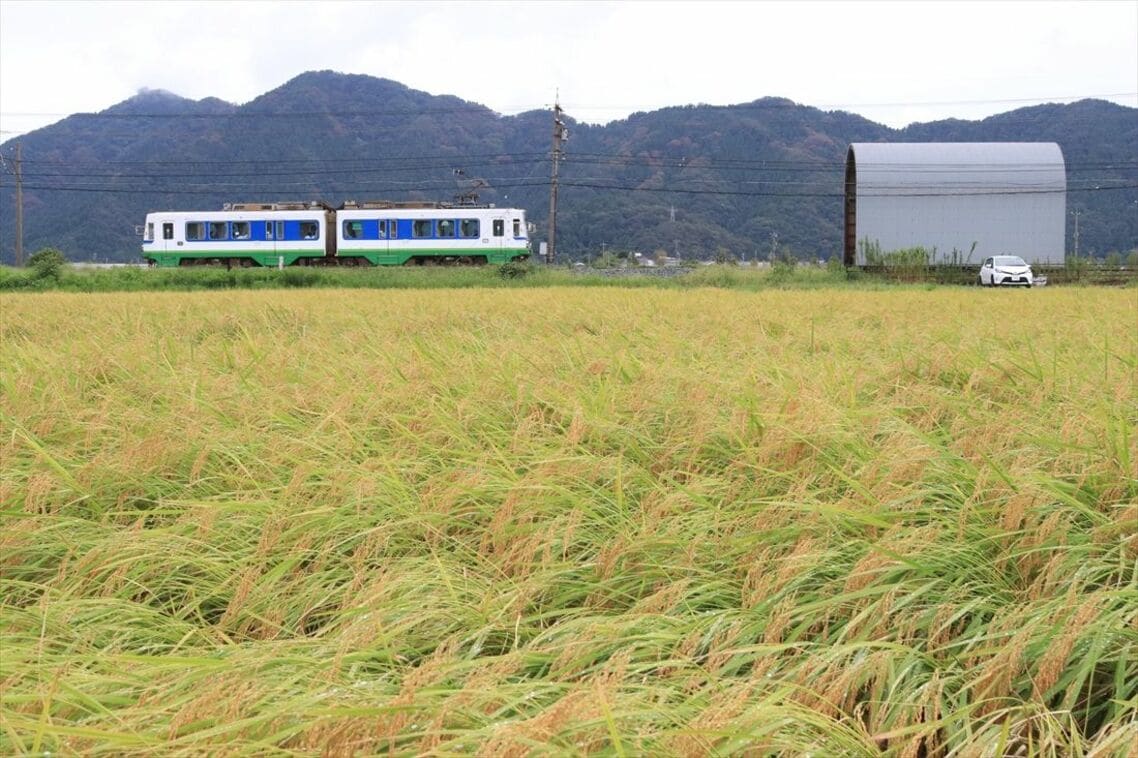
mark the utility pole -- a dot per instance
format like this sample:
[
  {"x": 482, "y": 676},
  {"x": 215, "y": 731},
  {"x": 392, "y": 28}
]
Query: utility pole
[
  {"x": 19, "y": 210},
  {"x": 560, "y": 133}
]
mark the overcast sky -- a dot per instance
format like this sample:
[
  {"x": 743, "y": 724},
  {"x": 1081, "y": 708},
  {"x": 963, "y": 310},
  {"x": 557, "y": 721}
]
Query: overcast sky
[{"x": 892, "y": 62}]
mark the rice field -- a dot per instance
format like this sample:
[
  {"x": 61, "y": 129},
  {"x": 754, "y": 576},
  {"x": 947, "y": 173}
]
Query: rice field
[{"x": 570, "y": 521}]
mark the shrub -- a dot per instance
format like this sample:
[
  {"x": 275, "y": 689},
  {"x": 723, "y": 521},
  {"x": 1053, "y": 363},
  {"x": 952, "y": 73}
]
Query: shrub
[
  {"x": 782, "y": 271},
  {"x": 515, "y": 270},
  {"x": 47, "y": 263}
]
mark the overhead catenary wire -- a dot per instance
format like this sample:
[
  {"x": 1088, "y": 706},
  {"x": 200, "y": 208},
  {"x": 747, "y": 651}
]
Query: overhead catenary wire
[
  {"x": 216, "y": 190},
  {"x": 52, "y": 176},
  {"x": 158, "y": 169},
  {"x": 760, "y": 177},
  {"x": 447, "y": 157},
  {"x": 679, "y": 161},
  {"x": 358, "y": 164}
]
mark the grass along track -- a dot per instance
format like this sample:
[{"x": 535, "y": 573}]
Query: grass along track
[{"x": 570, "y": 521}]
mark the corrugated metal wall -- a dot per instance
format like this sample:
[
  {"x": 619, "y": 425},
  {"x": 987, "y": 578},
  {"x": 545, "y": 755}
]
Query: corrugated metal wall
[{"x": 1007, "y": 198}]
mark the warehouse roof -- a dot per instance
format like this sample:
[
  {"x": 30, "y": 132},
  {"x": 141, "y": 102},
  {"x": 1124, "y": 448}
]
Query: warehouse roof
[{"x": 957, "y": 168}]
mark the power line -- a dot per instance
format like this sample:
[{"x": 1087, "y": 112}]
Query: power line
[
  {"x": 753, "y": 174},
  {"x": 899, "y": 193},
  {"x": 354, "y": 159},
  {"x": 497, "y": 183},
  {"x": 220, "y": 190},
  {"x": 215, "y": 190},
  {"x": 353, "y": 166},
  {"x": 228, "y": 174}
]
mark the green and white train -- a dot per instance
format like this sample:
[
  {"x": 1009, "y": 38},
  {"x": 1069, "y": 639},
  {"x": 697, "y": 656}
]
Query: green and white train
[{"x": 375, "y": 233}]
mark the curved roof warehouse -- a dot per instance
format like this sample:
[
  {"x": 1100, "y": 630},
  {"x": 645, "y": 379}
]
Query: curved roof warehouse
[{"x": 962, "y": 200}]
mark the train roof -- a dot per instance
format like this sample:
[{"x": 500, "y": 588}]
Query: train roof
[
  {"x": 348, "y": 205},
  {"x": 298, "y": 205},
  {"x": 403, "y": 204}
]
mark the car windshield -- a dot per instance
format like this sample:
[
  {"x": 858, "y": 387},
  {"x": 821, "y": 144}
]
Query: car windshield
[{"x": 1008, "y": 260}]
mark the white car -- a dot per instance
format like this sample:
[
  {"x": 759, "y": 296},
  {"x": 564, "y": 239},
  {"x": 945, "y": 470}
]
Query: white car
[{"x": 1005, "y": 269}]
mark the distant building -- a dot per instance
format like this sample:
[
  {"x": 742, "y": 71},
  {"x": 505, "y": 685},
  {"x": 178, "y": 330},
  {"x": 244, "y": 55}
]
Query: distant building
[{"x": 1007, "y": 198}]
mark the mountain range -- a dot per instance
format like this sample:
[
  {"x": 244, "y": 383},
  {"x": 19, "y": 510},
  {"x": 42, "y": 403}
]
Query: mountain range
[{"x": 695, "y": 181}]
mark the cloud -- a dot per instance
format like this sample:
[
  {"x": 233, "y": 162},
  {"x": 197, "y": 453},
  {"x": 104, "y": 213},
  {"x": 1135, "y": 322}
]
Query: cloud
[{"x": 892, "y": 62}]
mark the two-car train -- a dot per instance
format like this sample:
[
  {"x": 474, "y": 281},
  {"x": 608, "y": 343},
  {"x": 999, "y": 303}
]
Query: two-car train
[{"x": 375, "y": 233}]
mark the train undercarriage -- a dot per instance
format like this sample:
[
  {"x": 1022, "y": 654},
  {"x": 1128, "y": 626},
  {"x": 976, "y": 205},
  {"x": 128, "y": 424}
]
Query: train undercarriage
[{"x": 337, "y": 261}]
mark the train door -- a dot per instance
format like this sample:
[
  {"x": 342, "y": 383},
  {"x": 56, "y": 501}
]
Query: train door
[
  {"x": 499, "y": 226},
  {"x": 160, "y": 235},
  {"x": 274, "y": 244},
  {"x": 386, "y": 229},
  {"x": 271, "y": 236}
]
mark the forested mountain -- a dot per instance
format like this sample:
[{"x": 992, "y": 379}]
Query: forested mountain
[{"x": 689, "y": 180}]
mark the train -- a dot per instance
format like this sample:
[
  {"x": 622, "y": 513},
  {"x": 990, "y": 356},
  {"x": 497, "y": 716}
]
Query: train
[{"x": 371, "y": 233}]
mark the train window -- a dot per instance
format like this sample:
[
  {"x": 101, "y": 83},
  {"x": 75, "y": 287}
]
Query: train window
[
  {"x": 446, "y": 228},
  {"x": 268, "y": 230},
  {"x": 499, "y": 227},
  {"x": 309, "y": 230},
  {"x": 195, "y": 230},
  {"x": 353, "y": 230},
  {"x": 168, "y": 230},
  {"x": 517, "y": 227},
  {"x": 382, "y": 229},
  {"x": 240, "y": 230},
  {"x": 421, "y": 227},
  {"x": 218, "y": 230},
  {"x": 149, "y": 232},
  {"x": 280, "y": 230},
  {"x": 468, "y": 228}
]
